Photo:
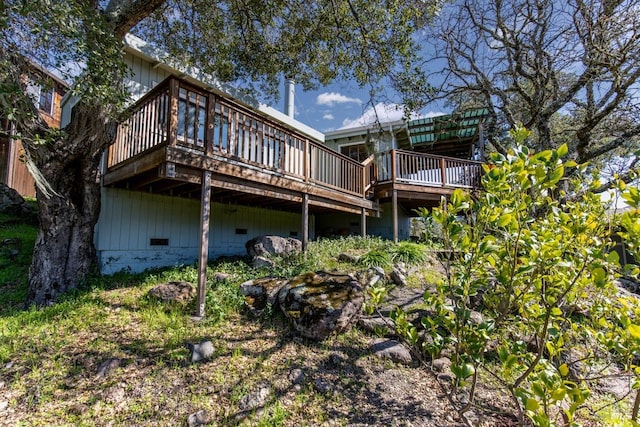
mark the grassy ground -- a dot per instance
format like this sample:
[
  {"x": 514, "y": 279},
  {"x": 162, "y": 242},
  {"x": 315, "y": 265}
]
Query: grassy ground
[{"x": 50, "y": 358}]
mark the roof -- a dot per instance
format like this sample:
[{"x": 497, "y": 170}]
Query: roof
[{"x": 457, "y": 127}]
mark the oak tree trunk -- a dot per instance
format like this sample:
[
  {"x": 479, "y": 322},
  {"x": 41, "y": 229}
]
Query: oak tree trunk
[{"x": 69, "y": 202}]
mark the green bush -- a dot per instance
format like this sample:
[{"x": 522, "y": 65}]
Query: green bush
[
  {"x": 528, "y": 252},
  {"x": 409, "y": 253},
  {"x": 375, "y": 258}
]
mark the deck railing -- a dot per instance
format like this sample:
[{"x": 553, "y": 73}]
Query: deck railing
[
  {"x": 427, "y": 169},
  {"x": 176, "y": 113}
]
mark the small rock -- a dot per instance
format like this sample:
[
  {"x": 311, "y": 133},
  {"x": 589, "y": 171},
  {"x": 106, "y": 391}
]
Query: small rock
[
  {"x": 221, "y": 277},
  {"x": 296, "y": 376},
  {"x": 463, "y": 397},
  {"x": 344, "y": 257},
  {"x": 260, "y": 262},
  {"x": 264, "y": 246},
  {"x": 201, "y": 352},
  {"x": 476, "y": 317},
  {"x": 77, "y": 409},
  {"x": 322, "y": 386},
  {"x": 377, "y": 324},
  {"x": 116, "y": 394},
  {"x": 200, "y": 418},
  {"x": 392, "y": 350},
  {"x": 472, "y": 418},
  {"x": 398, "y": 277},
  {"x": 173, "y": 291},
  {"x": 627, "y": 284},
  {"x": 3, "y": 405},
  {"x": 254, "y": 400},
  {"x": 441, "y": 364},
  {"x": 107, "y": 367},
  {"x": 11, "y": 201},
  {"x": 373, "y": 275},
  {"x": 9, "y": 365},
  {"x": 447, "y": 378}
]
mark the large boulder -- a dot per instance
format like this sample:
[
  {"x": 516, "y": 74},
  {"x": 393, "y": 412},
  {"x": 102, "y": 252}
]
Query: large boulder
[
  {"x": 318, "y": 304},
  {"x": 266, "y": 246}
]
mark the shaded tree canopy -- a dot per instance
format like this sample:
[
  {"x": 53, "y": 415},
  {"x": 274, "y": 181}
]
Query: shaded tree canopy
[
  {"x": 250, "y": 42},
  {"x": 567, "y": 70}
]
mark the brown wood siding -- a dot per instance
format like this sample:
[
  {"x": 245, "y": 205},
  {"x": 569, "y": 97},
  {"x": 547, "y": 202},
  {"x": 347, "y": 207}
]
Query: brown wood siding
[
  {"x": 13, "y": 170},
  {"x": 20, "y": 178}
]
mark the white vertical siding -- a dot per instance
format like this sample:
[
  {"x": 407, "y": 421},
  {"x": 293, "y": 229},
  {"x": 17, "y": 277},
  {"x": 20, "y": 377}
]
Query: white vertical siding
[
  {"x": 129, "y": 220},
  {"x": 144, "y": 76},
  {"x": 344, "y": 223}
]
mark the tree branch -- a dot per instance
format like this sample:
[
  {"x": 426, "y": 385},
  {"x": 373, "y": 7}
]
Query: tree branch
[{"x": 125, "y": 14}]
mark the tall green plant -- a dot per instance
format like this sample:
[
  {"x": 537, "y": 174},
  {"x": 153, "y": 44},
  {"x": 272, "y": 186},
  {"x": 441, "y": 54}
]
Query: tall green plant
[{"x": 524, "y": 258}]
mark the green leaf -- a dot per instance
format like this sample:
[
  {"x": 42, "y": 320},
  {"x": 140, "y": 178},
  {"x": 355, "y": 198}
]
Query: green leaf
[
  {"x": 563, "y": 150},
  {"x": 598, "y": 275},
  {"x": 538, "y": 390},
  {"x": 505, "y": 220},
  {"x": 556, "y": 175},
  {"x": 531, "y": 404},
  {"x": 563, "y": 369},
  {"x": 634, "y": 330},
  {"x": 558, "y": 394}
]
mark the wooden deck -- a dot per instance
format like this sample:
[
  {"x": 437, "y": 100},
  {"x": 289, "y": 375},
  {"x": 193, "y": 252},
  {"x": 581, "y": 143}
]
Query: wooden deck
[{"x": 178, "y": 131}]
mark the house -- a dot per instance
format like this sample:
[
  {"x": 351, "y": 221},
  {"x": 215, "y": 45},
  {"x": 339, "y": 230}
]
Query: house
[
  {"x": 47, "y": 98},
  {"x": 197, "y": 170}
]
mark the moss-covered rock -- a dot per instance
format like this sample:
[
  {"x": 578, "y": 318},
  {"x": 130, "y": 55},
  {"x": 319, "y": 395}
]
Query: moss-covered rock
[{"x": 319, "y": 304}]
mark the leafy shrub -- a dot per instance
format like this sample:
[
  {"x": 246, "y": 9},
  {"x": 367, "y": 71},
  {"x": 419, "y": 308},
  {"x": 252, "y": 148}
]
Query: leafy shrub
[
  {"x": 375, "y": 258},
  {"x": 527, "y": 253},
  {"x": 408, "y": 252}
]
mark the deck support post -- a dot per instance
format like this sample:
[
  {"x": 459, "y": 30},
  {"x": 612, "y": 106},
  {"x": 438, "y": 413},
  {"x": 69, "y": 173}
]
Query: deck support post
[
  {"x": 363, "y": 222},
  {"x": 394, "y": 202},
  {"x": 205, "y": 209},
  {"x": 305, "y": 221}
]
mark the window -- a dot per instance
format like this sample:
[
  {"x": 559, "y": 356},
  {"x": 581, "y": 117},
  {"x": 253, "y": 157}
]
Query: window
[
  {"x": 42, "y": 97},
  {"x": 357, "y": 152}
]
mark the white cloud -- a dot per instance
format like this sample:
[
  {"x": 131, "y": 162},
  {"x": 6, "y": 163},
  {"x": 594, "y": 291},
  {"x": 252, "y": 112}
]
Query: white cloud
[
  {"x": 385, "y": 113},
  {"x": 332, "y": 98},
  {"x": 328, "y": 116}
]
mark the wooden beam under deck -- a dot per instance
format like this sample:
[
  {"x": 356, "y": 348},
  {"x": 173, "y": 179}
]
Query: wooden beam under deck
[{"x": 181, "y": 169}]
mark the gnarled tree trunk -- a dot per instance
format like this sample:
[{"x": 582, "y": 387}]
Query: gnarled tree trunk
[{"x": 68, "y": 194}]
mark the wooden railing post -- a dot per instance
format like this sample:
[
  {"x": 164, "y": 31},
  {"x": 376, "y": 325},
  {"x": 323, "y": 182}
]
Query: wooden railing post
[
  {"x": 443, "y": 171},
  {"x": 307, "y": 160},
  {"x": 172, "y": 123},
  {"x": 305, "y": 222},
  {"x": 210, "y": 124},
  {"x": 393, "y": 165}
]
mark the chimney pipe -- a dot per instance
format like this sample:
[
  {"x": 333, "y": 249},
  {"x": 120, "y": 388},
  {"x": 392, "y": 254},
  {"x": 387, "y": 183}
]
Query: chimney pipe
[{"x": 289, "y": 96}]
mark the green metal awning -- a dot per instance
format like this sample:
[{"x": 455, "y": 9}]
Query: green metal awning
[{"x": 451, "y": 132}]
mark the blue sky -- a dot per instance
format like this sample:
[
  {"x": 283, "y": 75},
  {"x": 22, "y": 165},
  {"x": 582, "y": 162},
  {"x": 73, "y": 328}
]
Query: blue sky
[{"x": 343, "y": 105}]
